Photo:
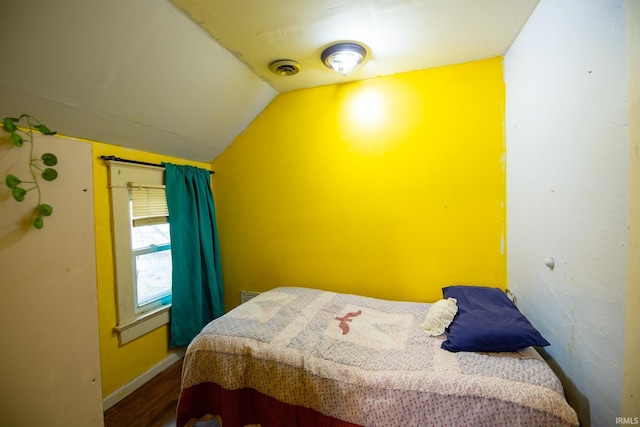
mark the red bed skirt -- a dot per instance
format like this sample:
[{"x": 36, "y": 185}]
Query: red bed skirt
[{"x": 238, "y": 408}]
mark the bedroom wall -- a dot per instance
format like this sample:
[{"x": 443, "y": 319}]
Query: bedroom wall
[
  {"x": 631, "y": 380},
  {"x": 567, "y": 192},
  {"x": 120, "y": 365},
  {"x": 391, "y": 187}
]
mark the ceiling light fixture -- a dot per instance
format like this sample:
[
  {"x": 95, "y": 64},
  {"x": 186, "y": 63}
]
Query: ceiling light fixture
[{"x": 343, "y": 57}]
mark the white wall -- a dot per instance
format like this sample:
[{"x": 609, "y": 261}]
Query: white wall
[
  {"x": 631, "y": 391},
  {"x": 50, "y": 361},
  {"x": 567, "y": 184}
]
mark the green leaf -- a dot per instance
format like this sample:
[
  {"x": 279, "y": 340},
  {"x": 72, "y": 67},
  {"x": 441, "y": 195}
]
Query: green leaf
[
  {"x": 38, "y": 222},
  {"x": 43, "y": 129},
  {"x": 19, "y": 193},
  {"x": 12, "y": 181},
  {"x": 17, "y": 139},
  {"x": 8, "y": 124},
  {"x": 45, "y": 209},
  {"x": 49, "y": 174},
  {"x": 49, "y": 159}
]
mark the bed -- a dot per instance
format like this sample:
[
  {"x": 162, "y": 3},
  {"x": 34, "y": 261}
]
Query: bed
[{"x": 304, "y": 357}]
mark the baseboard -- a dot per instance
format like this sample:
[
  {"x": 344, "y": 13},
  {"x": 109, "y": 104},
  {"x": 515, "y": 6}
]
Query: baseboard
[{"x": 139, "y": 381}]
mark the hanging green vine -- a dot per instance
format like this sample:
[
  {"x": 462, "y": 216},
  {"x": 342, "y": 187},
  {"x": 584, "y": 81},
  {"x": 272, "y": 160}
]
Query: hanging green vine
[{"x": 19, "y": 188}]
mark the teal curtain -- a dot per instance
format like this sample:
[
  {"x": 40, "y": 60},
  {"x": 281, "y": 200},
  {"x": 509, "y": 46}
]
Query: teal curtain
[{"x": 197, "y": 293}]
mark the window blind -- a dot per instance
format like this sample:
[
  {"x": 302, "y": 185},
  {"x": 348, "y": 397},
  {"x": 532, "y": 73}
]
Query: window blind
[{"x": 148, "y": 204}]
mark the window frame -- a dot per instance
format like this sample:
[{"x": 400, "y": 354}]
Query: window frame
[{"x": 132, "y": 322}]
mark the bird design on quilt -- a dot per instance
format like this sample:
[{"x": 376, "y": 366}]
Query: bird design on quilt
[{"x": 347, "y": 318}]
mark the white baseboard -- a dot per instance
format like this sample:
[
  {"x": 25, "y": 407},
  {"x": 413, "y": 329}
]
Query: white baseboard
[{"x": 139, "y": 381}]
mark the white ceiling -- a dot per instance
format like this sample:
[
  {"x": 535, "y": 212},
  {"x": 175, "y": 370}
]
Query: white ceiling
[
  {"x": 141, "y": 74},
  {"x": 400, "y": 35}
]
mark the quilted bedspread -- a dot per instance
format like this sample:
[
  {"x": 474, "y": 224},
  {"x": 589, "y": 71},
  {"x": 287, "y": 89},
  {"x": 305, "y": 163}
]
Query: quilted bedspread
[{"x": 352, "y": 360}]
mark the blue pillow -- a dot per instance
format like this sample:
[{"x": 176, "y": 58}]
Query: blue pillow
[{"x": 488, "y": 321}]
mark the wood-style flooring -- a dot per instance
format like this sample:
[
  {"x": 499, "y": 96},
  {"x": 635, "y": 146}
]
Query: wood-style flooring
[{"x": 152, "y": 405}]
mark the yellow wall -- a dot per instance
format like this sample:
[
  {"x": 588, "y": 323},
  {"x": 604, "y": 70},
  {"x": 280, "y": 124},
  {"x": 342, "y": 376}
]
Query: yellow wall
[
  {"x": 119, "y": 365},
  {"x": 391, "y": 187}
]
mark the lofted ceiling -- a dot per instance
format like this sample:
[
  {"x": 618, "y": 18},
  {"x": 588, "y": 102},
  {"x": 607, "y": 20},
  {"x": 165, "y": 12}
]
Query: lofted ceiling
[{"x": 184, "y": 78}]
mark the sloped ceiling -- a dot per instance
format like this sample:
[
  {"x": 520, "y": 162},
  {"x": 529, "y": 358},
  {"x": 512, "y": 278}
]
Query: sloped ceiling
[
  {"x": 138, "y": 74},
  {"x": 185, "y": 79}
]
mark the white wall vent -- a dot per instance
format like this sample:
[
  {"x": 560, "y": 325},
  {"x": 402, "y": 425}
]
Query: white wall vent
[{"x": 247, "y": 295}]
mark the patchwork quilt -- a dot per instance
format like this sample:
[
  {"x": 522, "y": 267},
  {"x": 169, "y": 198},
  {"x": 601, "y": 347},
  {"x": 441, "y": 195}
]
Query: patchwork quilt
[{"x": 304, "y": 357}]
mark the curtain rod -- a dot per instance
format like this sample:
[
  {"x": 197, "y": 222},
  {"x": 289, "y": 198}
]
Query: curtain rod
[{"x": 137, "y": 162}]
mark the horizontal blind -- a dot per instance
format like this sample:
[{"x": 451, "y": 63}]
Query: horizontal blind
[{"x": 148, "y": 204}]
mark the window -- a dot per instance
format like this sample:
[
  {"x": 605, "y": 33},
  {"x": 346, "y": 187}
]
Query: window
[
  {"x": 151, "y": 250},
  {"x": 150, "y": 245},
  {"x": 142, "y": 248}
]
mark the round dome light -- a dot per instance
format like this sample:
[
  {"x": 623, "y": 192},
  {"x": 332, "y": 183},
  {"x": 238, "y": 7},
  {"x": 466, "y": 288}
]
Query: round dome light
[{"x": 343, "y": 57}]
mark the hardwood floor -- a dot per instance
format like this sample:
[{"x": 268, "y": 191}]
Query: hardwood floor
[{"x": 152, "y": 405}]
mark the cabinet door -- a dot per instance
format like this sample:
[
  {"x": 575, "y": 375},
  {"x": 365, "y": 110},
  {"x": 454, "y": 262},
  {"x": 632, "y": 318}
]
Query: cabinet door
[{"x": 49, "y": 362}]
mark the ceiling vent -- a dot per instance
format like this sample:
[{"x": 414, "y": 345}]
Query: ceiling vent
[{"x": 284, "y": 67}]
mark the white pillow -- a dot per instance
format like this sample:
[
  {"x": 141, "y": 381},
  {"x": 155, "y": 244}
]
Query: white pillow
[{"x": 439, "y": 316}]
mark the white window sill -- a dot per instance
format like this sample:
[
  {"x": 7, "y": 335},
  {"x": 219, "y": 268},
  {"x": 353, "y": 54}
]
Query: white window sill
[{"x": 143, "y": 324}]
